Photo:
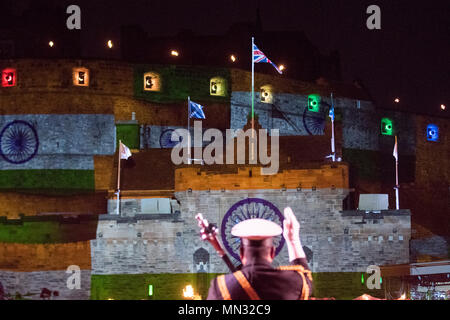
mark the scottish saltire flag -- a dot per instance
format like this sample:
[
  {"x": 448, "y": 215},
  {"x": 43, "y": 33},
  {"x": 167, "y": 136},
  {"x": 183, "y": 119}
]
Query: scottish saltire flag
[
  {"x": 125, "y": 152},
  {"x": 196, "y": 111},
  {"x": 259, "y": 56},
  {"x": 331, "y": 113}
]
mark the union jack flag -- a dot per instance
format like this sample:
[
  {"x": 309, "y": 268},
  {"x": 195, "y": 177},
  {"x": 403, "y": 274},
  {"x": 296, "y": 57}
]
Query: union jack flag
[{"x": 259, "y": 56}]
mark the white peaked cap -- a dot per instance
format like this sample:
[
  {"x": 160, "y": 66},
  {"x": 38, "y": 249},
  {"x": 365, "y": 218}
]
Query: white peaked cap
[{"x": 256, "y": 229}]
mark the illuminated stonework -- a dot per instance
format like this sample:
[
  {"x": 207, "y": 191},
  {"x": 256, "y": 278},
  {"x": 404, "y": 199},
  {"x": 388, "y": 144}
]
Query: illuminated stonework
[
  {"x": 80, "y": 77},
  {"x": 218, "y": 87},
  {"x": 387, "y": 127},
  {"x": 152, "y": 81},
  {"x": 432, "y": 133},
  {"x": 313, "y": 102},
  {"x": 266, "y": 94},
  {"x": 9, "y": 77}
]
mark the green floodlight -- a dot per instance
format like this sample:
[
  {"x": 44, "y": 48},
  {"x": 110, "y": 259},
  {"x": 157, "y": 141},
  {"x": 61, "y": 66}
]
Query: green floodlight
[
  {"x": 362, "y": 278},
  {"x": 150, "y": 290},
  {"x": 387, "y": 127},
  {"x": 313, "y": 102}
]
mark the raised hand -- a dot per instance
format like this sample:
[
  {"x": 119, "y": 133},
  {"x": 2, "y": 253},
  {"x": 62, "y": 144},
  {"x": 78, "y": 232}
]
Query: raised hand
[
  {"x": 291, "y": 233},
  {"x": 291, "y": 226}
]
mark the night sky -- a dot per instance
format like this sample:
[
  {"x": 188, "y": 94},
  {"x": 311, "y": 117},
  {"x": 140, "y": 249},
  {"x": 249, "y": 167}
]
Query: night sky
[{"x": 408, "y": 58}]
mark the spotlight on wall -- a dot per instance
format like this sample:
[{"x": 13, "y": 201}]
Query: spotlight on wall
[
  {"x": 109, "y": 44},
  {"x": 51, "y": 44},
  {"x": 397, "y": 100},
  {"x": 174, "y": 53},
  {"x": 281, "y": 67},
  {"x": 150, "y": 290},
  {"x": 233, "y": 58},
  {"x": 443, "y": 107}
]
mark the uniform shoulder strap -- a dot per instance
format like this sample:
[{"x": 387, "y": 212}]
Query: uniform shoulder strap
[
  {"x": 246, "y": 285},
  {"x": 302, "y": 272},
  {"x": 223, "y": 287},
  {"x": 298, "y": 268}
]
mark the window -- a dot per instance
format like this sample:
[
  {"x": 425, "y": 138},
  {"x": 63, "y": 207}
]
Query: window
[
  {"x": 9, "y": 77},
  {"x": 218, "y": 87},
  {"x": 81, "y": 77},
  {"x": 266, "y": 94},
  {"x": 387, "y": 127},
  {"x": 152, "y": 81},
  {"x": 432, "y": 132},
  {"x": 313, "y": 102}
]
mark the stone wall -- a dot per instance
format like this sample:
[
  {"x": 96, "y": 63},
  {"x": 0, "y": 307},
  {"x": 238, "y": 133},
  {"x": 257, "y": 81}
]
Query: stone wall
[
  {"x": 288, "y": 113},
  {"x": 13, "y": 204},
  {"x": 430, "y": 248},
  {"x": 30, "y": 284},
  {"x": 132, "y": 246},
  {"x": 335, "y": 240},
  {"x": 432, "y": 158},
  {"x": 321, "y": 176},
  {"x": 40, "y": 257}
]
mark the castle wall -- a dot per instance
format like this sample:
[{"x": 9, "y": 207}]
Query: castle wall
[
  {"x": 30, "y": 284},
  {"x": 77, "y": 130},
  {"x": 335, "y": 239}
]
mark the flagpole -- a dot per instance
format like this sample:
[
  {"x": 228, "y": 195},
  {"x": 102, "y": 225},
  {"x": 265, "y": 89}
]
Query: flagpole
[
  {"x": 253, "y": 97},
  {"x": 189, "y": 130},
  {"x": 397, "y": 202},
  {"x": 333, "y": 149},
  {"x": 118, "y": 179}
]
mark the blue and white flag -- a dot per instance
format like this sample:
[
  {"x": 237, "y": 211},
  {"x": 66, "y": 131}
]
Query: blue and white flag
[
  {"x": 331, "y": 114},
  {"x": 259, "y": 56},
  {"x": 196, "y": 111}
]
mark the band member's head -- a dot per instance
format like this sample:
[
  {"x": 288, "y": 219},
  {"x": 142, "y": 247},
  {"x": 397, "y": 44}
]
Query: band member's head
[{"x": 256, "y": 239}]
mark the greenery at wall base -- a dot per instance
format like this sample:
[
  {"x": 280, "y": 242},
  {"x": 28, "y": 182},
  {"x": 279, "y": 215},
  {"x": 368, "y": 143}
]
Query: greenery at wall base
[
  {"x": 47, "y": 180},
  {"x": 166, "y": 286},
  {"x": 169, "y": 286}
]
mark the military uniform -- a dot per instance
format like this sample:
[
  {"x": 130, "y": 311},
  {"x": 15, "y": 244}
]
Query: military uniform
[{"x": 259, "y": 280}]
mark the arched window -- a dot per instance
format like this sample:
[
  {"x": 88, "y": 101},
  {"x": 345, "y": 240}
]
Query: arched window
[
  {"x": 266, "y": 94},
  {"x": 387, "y": 127},
  {"x": 80, "y": 77},
  {"x": 432, "y": 132},
  {"x": 201, "y": 260},
  {"x": 9, "y": 77},
  {"x": 218, "y": 87},
  {"x": 152, "y": 81}
]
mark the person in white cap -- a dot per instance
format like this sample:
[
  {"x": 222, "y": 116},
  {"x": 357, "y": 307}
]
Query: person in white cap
[{"x": 258, "y": 279}]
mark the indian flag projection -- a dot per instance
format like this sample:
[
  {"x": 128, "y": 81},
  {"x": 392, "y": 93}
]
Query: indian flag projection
[{"x": 48, "y": 151}]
